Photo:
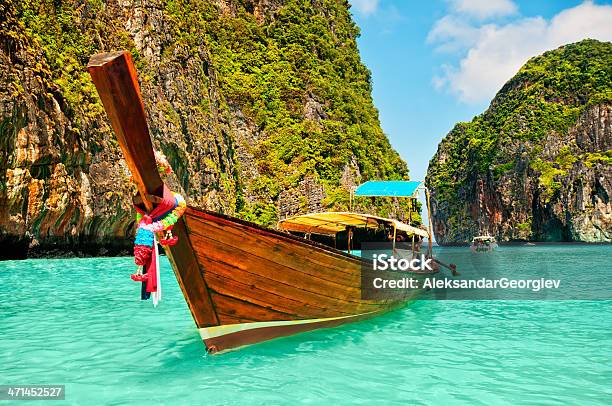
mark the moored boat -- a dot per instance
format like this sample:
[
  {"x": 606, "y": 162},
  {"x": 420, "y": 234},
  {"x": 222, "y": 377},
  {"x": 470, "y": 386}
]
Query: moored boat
[
  {"x": 483, "y": 243},
  {"x": 245, "y": 283}
]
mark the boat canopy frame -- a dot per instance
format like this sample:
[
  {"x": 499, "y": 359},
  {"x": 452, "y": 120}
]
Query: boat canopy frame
[
  {"x": 484, "y": 238},
  {"x": 330, "y": 223},
  {"x": 396, "y": 188},
  {"x": 389, "y": 188}
]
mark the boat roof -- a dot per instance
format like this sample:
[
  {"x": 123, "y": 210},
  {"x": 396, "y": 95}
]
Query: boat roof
[
  {"x": 334, "y": 222},
  {"x": 483, "y": 237},
  {"x": 388, "y": 188}
]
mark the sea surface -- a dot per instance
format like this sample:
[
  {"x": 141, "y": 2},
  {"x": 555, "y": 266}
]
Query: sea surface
[{"x": 80, "y": 322}]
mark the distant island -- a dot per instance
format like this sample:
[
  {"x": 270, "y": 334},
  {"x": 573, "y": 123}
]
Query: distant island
[{"x": 537, "y": 164}]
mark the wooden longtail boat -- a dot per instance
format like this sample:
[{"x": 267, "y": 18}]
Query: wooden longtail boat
[
  {"x": 483, "y": 243},
  {"x": 243, "y": 283}
]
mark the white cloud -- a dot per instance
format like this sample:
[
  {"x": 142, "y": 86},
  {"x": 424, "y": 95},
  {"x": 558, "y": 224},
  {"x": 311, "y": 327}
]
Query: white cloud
[
  {"x": 496, "y": 52},
  {"x": 484, "y": 8},
  {"x": 453, "y": 33},
  {"x": 365, "y": 6}
]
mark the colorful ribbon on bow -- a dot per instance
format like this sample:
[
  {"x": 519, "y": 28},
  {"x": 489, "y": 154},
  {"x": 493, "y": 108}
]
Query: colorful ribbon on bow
[{"x": 161, "y": 219}]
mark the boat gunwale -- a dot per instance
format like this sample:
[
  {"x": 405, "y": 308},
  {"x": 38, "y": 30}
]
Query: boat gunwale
[
  {"x": 276, "y": 233},
  {"x": 292, "y": 238}
]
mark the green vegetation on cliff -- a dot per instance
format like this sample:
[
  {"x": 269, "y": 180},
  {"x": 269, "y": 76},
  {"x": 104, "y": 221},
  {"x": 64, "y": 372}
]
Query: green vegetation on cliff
[
  {"x": 297, "y": 75},
  {"x": 529, "y": 166},
  {"x": 547, "y": 95},
  {"x": 254, "y": 102}
]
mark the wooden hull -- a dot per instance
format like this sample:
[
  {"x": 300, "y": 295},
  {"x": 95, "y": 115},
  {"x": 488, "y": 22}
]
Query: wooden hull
[
  {"x": 265, "y": 284},
  {"x": 243, "y": 283}
]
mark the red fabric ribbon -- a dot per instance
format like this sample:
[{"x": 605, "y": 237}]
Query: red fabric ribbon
[
  {"x": 168, "y": 241},
  {"x": 152, "y": 274},
  {"x": 168, "y": 202},
  {"x": 144, "y": 255},
  {"x": 139, "y": 277}
]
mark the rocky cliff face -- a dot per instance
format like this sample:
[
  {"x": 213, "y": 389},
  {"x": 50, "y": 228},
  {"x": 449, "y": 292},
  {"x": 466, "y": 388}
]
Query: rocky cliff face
[
  {"x": 537, "y": 165},
  {"x": 262, "y": 107}
]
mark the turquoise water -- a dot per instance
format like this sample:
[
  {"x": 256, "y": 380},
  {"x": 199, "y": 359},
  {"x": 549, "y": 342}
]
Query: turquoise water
[{"x": 79, "y": 322}]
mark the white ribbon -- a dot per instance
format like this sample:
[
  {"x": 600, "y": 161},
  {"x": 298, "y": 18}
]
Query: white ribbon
[{"x": 157, "y": 294}]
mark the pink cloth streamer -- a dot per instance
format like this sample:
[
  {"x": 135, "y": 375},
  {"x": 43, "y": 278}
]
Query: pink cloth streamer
[{"x": 151, "y": 261}]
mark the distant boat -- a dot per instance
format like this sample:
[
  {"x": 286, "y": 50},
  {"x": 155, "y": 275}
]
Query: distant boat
[
  {"x": 529, "y": 244},
  {"x": 245, "y": 283},
  {"x": 483, "y": 243}
]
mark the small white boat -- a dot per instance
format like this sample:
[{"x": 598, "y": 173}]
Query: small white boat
[{"x": 483, "y": 243}]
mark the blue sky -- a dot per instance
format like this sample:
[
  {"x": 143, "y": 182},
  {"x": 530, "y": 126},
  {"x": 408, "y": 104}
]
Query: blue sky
[{"x": 435, "y": 63}]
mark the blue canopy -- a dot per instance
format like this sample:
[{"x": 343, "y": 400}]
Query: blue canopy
[{"x": 388, "y": 188}]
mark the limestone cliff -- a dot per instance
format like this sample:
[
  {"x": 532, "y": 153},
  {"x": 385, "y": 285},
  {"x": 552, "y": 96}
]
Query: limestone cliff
[
  {"x": 262, "y": 107},
  {"x": 537, "y": 165}
]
